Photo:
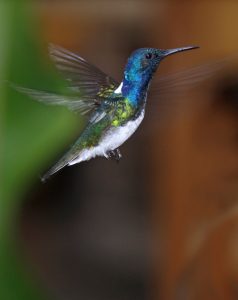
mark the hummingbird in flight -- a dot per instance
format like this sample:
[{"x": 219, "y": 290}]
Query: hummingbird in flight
[{"x": 115, "y": 110}]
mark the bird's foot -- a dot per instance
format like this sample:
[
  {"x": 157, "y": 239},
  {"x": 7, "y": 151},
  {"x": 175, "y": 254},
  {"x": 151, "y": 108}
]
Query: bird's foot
[
  {"x": 114, "y": 154},
  {"x": 118, "y": 155}
]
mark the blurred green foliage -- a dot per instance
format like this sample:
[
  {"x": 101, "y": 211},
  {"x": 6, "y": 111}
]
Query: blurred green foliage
[{"x": 30, "y": 135}]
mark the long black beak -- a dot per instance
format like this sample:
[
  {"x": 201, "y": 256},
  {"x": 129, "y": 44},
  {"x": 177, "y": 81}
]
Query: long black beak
[{"x": 176, "y": 50}]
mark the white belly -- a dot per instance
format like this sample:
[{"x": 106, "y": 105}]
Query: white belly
[{"x": 113, "y": 139}]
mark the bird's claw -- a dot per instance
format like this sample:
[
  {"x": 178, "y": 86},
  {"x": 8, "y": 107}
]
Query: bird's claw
[{"x": 114, "y": 154}]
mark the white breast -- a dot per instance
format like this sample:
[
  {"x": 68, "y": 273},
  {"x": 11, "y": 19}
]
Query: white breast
[{"x": 113, "y": 139}]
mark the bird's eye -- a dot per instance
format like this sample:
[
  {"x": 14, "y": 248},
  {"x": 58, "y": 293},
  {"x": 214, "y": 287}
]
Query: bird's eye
[{"x": 148, "y": 55}]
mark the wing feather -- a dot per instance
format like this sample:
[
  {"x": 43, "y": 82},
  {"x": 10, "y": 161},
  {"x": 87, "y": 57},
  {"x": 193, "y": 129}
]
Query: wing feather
[
  {"x": 180, "y": 82},
  {"x": 80, "y": 74},
  {"x": 75, "y": 104}
]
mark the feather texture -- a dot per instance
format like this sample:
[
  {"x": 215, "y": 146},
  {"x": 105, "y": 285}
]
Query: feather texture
[
  {"x": 81, "y": 75},
  {"x": 73, "y": 103}
]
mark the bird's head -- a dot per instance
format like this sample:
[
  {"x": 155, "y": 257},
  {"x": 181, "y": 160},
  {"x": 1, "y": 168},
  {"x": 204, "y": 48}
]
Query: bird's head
[{"x": 143, "y": 62}]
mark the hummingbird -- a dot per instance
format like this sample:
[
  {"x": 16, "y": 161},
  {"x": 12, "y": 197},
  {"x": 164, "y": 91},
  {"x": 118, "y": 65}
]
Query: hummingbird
[{"x": 114, "y": 109}]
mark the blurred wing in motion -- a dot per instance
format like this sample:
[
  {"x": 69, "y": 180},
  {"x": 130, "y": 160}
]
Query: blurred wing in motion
[
  {"x": 170, "y": 94},
  {"x": 82, "y": 76},
  {"x": 182, "y": 81},
  {"x": 90, "y": 83},
  {"x": 73, "y": 103}
]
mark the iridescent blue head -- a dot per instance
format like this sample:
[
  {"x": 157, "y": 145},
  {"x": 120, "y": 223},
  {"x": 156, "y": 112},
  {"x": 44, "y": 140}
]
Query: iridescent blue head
[{"x": 140, "y": 68}]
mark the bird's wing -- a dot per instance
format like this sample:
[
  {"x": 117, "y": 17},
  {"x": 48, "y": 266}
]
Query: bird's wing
[
  {"x": 169, "y": 93},
  {"x": 82, "y": 76},
  {"x": 74, "y": 103},
  {"x": 180, "y": 82},
  {"x": 90, "y": 85}
]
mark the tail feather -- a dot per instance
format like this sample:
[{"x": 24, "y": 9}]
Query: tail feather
[{"x": 63, "y": 162}]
